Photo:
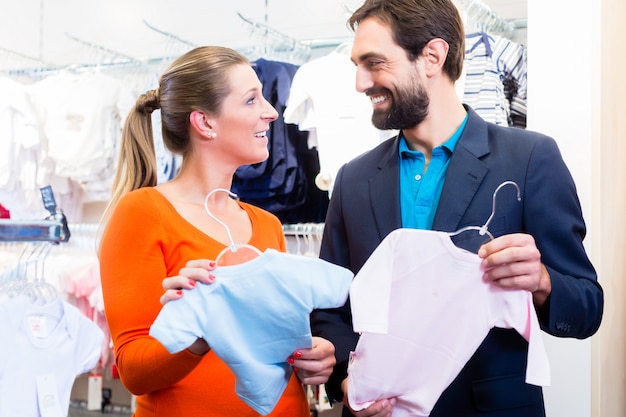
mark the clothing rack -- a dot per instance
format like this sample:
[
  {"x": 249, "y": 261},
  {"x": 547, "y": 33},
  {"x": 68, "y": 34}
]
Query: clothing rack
[
  {"x": 45, "y": 68},
  {"x": 486, "y": 20},
  {"x": 114, "y": 61},
  {"x": 279, "y": 40},
  {"x": 287, "y": 43},
  {"x": 22, "y": 56},
  {"x": 298, "y": 229},
  {"x": 170, "y": 35},
  {"x": 175, "y": 46},
  {"x": 303, "y": 238},
  {"x": 275, "y": 45},
  {"x": 19, "y": 60},
  {"x": 32, "y": 231},
  {"x": 52, "y": 229},
  {"x": 118, "y": 57}
]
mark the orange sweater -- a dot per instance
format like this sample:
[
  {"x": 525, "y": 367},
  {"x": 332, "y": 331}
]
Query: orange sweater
[{"x": 145, "y": 241}]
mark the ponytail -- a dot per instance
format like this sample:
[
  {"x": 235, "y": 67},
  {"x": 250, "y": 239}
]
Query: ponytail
[{"x": 137, "y": 166}]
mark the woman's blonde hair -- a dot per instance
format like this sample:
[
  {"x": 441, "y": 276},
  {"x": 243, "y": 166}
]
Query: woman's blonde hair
[{"x": 196, "y": 81}]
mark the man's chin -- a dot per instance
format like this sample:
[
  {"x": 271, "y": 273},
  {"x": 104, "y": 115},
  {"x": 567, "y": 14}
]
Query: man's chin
[{"x": 380, "y": 121}]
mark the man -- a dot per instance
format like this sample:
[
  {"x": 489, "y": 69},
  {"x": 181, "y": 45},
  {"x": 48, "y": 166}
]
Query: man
[{"x": 440, "y": 173}]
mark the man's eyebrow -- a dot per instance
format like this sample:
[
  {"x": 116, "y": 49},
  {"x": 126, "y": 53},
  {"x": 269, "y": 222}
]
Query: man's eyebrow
[{"x": 368, "y": 55}]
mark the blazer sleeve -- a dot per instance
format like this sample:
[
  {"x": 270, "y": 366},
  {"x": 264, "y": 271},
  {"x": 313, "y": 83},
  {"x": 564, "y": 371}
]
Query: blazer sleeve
[{"x": 553, "y": 216}]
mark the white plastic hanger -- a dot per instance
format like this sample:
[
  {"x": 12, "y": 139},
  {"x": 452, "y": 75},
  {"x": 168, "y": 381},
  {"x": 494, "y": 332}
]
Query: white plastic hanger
[
  {"x": 234, "y": 253},
  {"x": 483, "y": 230},
  {"x": 29, "y": 278}
]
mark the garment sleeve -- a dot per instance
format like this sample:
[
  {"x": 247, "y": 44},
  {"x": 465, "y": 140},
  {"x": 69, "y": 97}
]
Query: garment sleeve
[
  {"x": 525, "y": 322},
  {"x": 299, "y": 107},
  {"x": 371, "y": 289},
  {"x": 179, "y": 324},
  {"x": 89, "y": 348},
  {"x": 329, "y": 283},
  {"x": 132, "y": 269},
  {"x": 553, "y": 216}
]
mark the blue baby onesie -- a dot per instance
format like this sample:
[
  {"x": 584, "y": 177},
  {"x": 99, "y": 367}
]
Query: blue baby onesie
[{"x": 254, "y": 316}]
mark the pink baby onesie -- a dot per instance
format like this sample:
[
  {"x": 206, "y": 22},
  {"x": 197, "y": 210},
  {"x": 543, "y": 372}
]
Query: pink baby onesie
[{"x": 422, "y": 309}]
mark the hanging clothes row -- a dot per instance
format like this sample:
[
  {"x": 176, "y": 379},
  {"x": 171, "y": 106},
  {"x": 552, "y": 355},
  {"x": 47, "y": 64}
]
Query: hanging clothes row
[
  {"x": 284, "y": 183},
  {"x": 51, "y": 341},
  {"x": 304, "y": 238},
  {"x": 493, "y": 81},
  {"x": 63, "y": 130},
  {"x": 324, "y": 103}
]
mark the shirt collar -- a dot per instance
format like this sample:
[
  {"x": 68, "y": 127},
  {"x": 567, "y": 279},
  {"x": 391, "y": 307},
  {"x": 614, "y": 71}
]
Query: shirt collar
[{"x": 450, "y": 144}]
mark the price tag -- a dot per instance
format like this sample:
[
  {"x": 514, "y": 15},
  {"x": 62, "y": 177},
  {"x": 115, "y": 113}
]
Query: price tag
[{"x": 48, "y": 396}]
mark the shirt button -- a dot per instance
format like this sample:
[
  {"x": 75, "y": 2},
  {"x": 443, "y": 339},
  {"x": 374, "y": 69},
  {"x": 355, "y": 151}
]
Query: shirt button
[{"x": 418, "y": 177}]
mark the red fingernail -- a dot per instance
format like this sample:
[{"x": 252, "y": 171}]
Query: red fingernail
[
  {"x": 192, "y": 282},
  {"x": 211, "y": 277},
  {"x": 290, "y": 360},
  {"x": 211, "y": 264},
  {"x": 297, "y": 354},
  {"x": 179, "y": 292}
]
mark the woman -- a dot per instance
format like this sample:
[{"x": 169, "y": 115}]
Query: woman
[{"x": 214, "y": 115}]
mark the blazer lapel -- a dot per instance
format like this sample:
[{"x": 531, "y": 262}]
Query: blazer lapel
[
  {"x": 465, "y": 174},
  {"x": 384, "y": 189}
]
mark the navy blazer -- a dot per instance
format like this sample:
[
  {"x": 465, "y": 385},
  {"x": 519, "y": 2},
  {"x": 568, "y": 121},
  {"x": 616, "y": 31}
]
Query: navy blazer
[{"x": 365, "y": 207}]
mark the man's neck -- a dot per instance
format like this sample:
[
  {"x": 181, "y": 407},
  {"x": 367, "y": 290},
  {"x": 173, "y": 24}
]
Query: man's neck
[{"x": 436, "y": 129}]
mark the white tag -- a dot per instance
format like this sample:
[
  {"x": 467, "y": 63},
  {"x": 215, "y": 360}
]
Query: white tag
[
  {"x": 48, "y": 396},
  {"x": 94, "y": 392}
]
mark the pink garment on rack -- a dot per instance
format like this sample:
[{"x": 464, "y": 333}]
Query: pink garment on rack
[
  {"x": 81, "y": 280},
  {"x": 423, "y": 310}
]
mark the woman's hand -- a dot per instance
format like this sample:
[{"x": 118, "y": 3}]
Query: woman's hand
[
  {"x": 187, "y": 278},
  {"x": 314, "y": 366}
]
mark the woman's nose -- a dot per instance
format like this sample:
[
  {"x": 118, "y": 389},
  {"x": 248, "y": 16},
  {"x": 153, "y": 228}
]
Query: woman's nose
[{"x": 269, "y": 112}]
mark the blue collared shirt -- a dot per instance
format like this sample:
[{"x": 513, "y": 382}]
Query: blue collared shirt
[{"x": 419, "y": 190}]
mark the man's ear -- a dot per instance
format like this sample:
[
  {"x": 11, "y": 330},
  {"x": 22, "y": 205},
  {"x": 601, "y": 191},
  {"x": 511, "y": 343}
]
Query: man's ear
[{"x": 435, "y": 53}]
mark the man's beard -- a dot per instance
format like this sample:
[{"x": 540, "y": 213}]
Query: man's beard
[{"x": 409, "y": 109}]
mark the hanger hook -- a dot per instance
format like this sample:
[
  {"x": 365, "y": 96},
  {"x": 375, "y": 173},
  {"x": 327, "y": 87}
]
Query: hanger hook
[
  {"x": 484, "y": 227},
  {"x": 233, "y": 246}
]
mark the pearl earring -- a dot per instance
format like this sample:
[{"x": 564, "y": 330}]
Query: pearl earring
[{"x": 211, "y": 135}]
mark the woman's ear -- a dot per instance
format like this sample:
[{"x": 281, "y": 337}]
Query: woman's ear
[{"x": 201, "y": 123}]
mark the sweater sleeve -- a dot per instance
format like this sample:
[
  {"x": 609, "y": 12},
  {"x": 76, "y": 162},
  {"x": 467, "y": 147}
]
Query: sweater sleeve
[{"x": 132, "y": 269}]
